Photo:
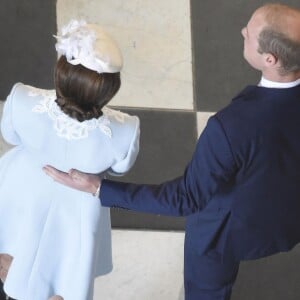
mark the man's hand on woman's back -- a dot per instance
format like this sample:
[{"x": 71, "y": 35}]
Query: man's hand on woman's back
[{"x": 89, "y": 183}]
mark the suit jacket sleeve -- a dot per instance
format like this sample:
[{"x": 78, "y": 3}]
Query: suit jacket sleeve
[{"x": 212, "y": 166}]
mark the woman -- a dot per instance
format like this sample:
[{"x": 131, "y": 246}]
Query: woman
[{"x": 59, "y": 239}]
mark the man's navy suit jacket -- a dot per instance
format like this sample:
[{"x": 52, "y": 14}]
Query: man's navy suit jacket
[{"x": 241, "y": 190}]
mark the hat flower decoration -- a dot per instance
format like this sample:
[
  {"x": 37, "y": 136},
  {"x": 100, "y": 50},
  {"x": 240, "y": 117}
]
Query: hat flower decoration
[{"x": 90, "y": 46}]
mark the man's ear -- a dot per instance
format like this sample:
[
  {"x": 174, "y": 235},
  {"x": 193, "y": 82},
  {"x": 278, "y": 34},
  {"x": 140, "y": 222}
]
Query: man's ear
[{"x": 270, "y": 59}]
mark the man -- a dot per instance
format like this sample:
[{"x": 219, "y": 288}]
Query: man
[{"x": 241, "y": 190}]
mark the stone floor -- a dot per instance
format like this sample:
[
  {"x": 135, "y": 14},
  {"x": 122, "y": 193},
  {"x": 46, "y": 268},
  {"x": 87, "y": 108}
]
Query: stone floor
[{"x": 148, "y": 265}]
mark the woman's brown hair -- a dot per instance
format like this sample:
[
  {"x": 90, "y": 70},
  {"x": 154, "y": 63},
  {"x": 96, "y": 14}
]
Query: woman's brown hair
[{"x": 81, "y": 93}]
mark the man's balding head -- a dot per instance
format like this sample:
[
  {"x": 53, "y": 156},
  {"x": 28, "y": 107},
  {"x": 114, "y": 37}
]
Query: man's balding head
[
  {"x": 282, "y": 18},
  {"x": 280, "y": 35}
]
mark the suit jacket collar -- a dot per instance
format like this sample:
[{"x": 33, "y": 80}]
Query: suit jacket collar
[{"x": 260, "y": 91}]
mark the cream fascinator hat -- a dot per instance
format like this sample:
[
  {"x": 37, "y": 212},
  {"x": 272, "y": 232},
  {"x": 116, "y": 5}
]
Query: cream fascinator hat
[{"x": 88, "y": 45}]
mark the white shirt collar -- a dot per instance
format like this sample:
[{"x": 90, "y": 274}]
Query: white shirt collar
[{"x": 279, "y": 85}]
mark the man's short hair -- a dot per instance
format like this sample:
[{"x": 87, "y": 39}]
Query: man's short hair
[{"x": 275, "y": 37}]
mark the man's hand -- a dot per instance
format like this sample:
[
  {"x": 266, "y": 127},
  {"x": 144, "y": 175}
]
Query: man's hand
[
  {"x": 75, "y": 179},
  {"x": 56, "y": 297},
  {"x": 5, "y": 262}
]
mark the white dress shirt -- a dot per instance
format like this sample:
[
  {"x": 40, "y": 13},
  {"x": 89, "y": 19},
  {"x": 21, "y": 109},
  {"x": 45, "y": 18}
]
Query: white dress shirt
[{"x": 278, "y": 85}]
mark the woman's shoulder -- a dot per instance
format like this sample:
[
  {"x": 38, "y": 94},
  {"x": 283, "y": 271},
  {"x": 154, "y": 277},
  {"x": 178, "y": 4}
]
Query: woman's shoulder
[
  {"x": 21, "y": 90},
  {"x": 122, "y": 125},
  {"x": 117, "y": 117}
]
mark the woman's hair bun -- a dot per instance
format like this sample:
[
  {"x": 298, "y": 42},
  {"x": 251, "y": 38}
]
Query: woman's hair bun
[{"x": 75, "y": 111}]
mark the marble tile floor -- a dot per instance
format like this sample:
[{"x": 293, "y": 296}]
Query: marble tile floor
[{"x": 148, "y": 265}]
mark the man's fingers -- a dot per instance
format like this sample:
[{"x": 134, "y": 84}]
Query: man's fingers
[
  {"x": 54, "y": 173},
  {"x": 3, "y": 274},
  {"x": 57, "y": 175},
  {"x": 61, "y": 176},
  {"x": 76, "y": 175},
  {"x": 75, "y": 179},
  {"x": 56, "y": 297},
  {"x": 5, "y": 260}
]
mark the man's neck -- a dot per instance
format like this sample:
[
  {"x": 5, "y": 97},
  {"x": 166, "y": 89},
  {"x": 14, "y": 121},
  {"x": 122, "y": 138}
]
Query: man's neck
[{"x": 281, "y": 78}]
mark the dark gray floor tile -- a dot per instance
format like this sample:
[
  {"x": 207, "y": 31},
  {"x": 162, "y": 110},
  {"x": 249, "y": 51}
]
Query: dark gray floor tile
[
  {"x": 219, "y": 68},
  {"x": 27, "y": 52},
  {"x": 272, "y": 278},
  {"x": 167, "y": 142}
]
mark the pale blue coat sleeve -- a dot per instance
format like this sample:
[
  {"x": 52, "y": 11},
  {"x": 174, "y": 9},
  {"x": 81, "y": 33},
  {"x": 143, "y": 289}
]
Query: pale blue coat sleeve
[
  {"x": 124, "y": 165},
  {"x": 7, "y": 127}
]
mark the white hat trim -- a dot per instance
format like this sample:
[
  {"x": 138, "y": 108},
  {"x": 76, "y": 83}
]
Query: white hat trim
[{"x": 90, "y": 46}]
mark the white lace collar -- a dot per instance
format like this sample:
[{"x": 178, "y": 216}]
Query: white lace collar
[{"x": 67, "y": 127}]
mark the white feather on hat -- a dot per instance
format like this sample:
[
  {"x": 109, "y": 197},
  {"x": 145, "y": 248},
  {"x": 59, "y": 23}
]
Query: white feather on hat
[{"x": 90, "y": 46}]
